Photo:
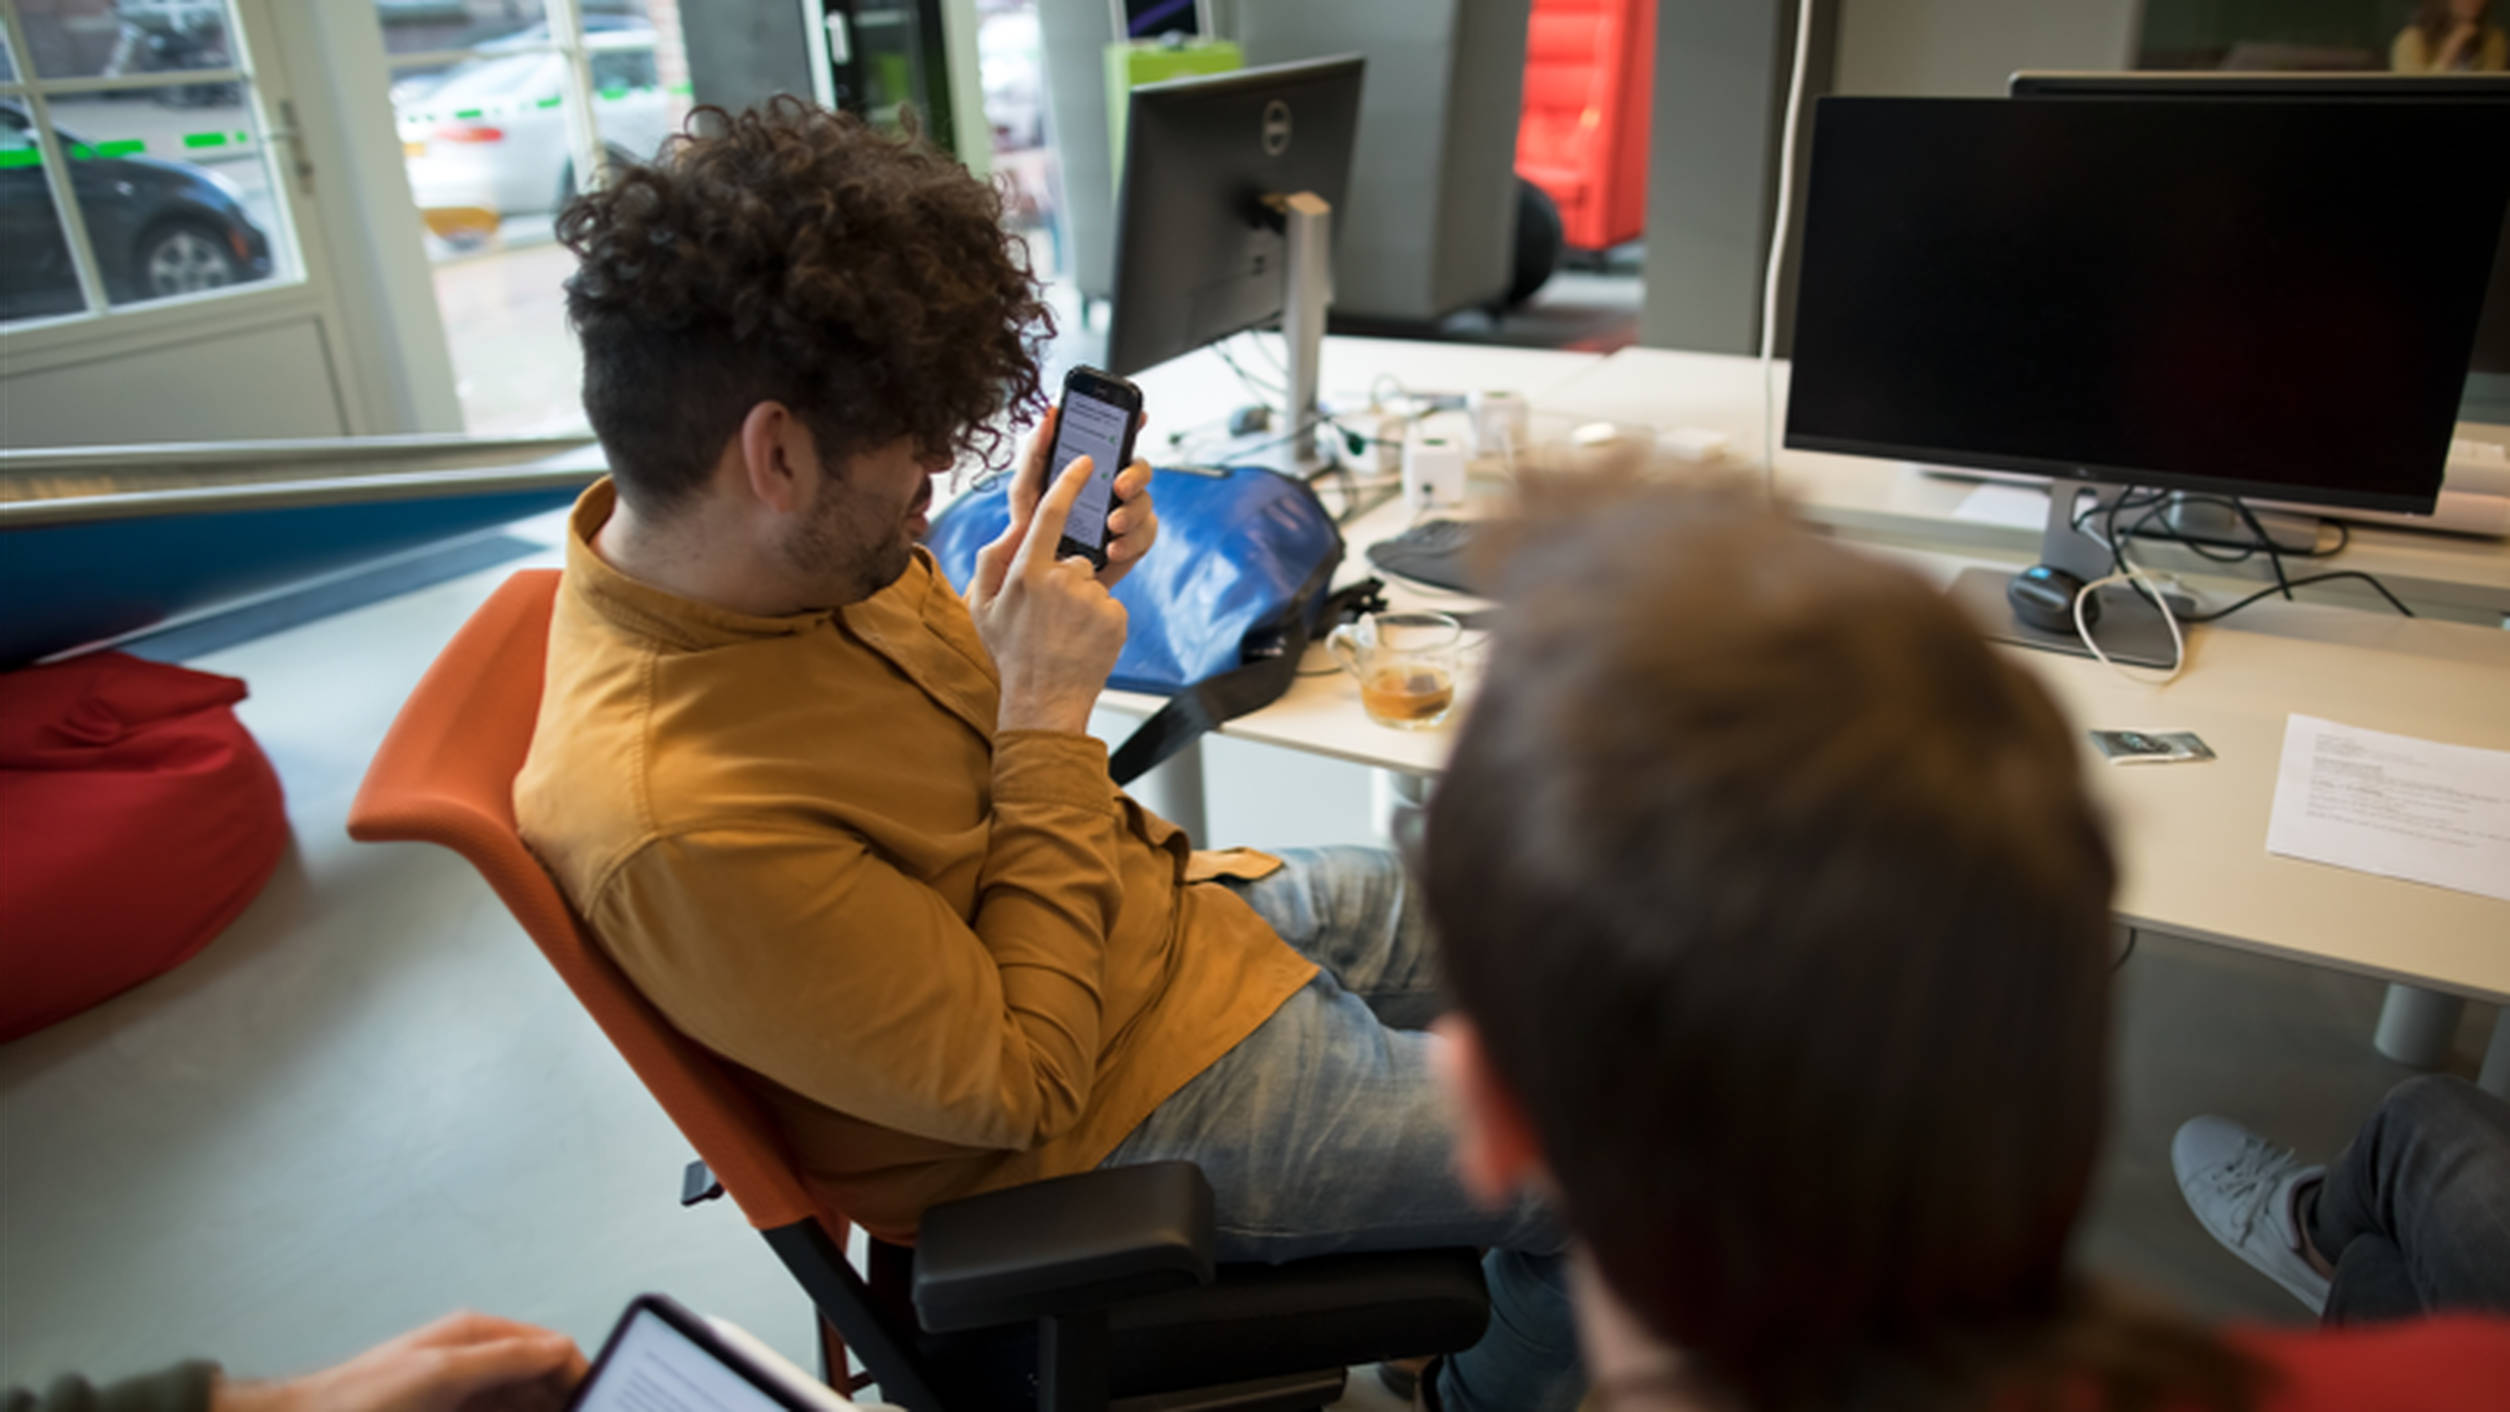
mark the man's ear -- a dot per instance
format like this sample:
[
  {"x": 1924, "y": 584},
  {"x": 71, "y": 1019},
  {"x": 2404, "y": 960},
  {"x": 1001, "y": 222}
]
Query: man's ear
[
  {"x": 1496, "y": 1153},
  {"x": 779, "y": 461}
]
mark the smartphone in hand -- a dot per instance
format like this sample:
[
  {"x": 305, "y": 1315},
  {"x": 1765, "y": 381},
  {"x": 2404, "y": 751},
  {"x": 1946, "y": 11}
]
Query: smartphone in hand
[{"x": 1099, "y": 415}]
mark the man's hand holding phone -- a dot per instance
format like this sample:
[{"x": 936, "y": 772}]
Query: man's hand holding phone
[
  {"x": 1132, "y": 527},
  {"x": 1052, "y": 627}
]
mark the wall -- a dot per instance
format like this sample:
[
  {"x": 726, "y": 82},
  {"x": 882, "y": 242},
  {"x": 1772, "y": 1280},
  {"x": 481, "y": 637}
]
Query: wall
[
  {"x": 1721, "y": 88},
  {"x": 1712, "y": 165},
  {"x": 1968, "y": 48},
  {"x": 1428, "y": 223},
  {"x": 741, "y": 55}
]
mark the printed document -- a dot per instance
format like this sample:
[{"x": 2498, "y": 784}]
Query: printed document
[{"x": 2393, "y": 805}]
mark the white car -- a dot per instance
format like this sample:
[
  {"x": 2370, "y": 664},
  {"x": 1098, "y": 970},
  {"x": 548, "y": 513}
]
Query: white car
[{"x": 491, "y": 134}]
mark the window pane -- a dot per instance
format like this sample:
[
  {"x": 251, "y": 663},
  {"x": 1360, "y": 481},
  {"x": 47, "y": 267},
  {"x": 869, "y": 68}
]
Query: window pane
[
  {"x": 489, "y": 159},
  {"x": 601, "y": 16},
  {"x": 126, "y": 38},
  {"x": 176, "y": 191},
  {"x": 422, "y": 26},
  {"x": 633, "y": 109},
  {"x": 486, "y": 146},
  {"x": 1011, "y": 64},
  {"x": 37, "y": 280},
  {"x": 8, "y": 61}
]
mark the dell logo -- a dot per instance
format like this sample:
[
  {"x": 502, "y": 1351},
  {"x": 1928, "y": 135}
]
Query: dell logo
[{"x": 1276, "y": 128}]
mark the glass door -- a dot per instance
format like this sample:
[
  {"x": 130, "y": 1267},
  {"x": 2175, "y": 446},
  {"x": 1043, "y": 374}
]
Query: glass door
[{"x": 135, "y": 161}]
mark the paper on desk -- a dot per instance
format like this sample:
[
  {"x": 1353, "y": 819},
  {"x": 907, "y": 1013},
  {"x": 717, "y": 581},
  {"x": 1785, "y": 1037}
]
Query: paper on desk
[
  {"x": 2393, "y": 805},
  {"x": 2021, "y": 506}
]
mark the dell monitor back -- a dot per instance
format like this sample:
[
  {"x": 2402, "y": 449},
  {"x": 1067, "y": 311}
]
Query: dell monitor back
[{"x": 1199, "y": 251}]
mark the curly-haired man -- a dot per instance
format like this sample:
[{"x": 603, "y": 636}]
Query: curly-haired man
[{"x": 846, "y": 828}]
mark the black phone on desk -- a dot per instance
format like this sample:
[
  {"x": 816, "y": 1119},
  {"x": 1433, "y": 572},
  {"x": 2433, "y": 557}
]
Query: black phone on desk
[
  {"x": 1098, "y": 417},
  {"x": 663, "y": 1358}
]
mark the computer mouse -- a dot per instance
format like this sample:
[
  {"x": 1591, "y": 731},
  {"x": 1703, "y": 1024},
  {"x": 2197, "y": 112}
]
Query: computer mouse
[{"x": 2043, "y": 597}]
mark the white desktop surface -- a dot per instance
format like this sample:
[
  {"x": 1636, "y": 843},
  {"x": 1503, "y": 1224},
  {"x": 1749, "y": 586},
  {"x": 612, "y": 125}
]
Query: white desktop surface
[
  {"x": 1894, "y": 501},
  {"x": 2192, "y": 838},
  {"x": 1189, "y": 394}
]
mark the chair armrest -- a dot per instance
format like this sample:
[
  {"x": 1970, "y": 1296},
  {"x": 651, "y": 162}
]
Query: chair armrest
[{"x": 1066, "y": 1245}]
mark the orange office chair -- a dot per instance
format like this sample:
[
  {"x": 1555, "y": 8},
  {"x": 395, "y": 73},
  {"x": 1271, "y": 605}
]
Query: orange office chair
[{"x": 1071, "y": 1292}]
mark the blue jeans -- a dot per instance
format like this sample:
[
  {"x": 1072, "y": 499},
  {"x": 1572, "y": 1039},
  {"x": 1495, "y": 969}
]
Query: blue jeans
[
  {"x": 2415, "y": 1213},
  {"x": 1324, "y": 1130}
]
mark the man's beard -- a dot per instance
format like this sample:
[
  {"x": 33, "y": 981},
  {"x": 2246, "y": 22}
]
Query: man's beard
[{"x": 855, "y": 555}]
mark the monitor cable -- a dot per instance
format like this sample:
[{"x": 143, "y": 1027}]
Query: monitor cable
[
  {"x": 1777, "y": 252},
  {"x": 2155, "y": 506},
  {"x": 2126, "y": 572},
  {"x": 1259, "y": 388}
]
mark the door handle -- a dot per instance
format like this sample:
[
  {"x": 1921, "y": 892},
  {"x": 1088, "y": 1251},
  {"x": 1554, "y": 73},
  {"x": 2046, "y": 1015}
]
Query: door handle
[{"x": 287, "y": 132}]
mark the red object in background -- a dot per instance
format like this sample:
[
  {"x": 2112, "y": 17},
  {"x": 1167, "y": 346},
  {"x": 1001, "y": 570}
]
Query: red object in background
[
  {"x": 137, "y": 818},
  {"x": 1589, "y": 71}
]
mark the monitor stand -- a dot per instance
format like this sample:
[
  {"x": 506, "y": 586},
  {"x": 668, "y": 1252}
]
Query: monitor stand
[
  {"x": 2130, "y": 629},
  {"x": 1306, "y": 293},
  {"x": 2211, "y": 521}
]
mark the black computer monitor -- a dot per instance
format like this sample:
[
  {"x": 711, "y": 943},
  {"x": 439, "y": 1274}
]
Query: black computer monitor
[
  {"x": 1210, "y": 164},
  {"x": 2487, "y": 394},
  {"x": 2267, "y": 297},
  {"x": 2253, "y": 298}
]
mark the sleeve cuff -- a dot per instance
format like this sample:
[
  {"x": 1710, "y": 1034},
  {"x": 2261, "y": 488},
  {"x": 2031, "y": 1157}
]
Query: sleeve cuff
[{"x": 1051, "y": 768}]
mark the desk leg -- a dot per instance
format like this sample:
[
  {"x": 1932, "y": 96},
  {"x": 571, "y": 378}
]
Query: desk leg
[
  {"x": 1174, "y": 791},
  {"x": 1396, "y": 801},
  {"x": 2416, "y": 1025},
  {"x": 2494, "y": 1077}
]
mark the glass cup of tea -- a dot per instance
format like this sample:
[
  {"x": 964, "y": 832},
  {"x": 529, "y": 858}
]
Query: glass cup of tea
[{"x": 1405, "y": 663}]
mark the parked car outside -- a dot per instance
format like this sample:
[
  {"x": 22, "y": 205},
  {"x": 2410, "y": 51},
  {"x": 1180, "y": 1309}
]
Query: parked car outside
[
  {"x": 491, "y": 133},
  {"x": 159, "y": 228}
]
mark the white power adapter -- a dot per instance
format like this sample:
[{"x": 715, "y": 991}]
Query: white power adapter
[{"x": 1433, "y": 471}]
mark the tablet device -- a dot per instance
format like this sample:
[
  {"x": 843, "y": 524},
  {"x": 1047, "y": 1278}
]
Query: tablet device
[{"x": 663, "y": 1358}]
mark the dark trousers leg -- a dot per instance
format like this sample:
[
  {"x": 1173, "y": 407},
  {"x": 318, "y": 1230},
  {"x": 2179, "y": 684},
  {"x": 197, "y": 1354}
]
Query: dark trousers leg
[{"x": 2415, "y": 1214}]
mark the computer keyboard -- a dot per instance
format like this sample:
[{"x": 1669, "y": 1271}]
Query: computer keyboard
[{"x": 1434, "y": 552}]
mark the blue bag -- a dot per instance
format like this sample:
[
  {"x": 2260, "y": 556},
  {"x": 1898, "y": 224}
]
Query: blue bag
[{"x": 1218, "y": 613}]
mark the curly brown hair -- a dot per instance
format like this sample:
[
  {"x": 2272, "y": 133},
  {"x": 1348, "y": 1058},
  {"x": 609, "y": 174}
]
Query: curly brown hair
[{"x": 792, "y": 254}]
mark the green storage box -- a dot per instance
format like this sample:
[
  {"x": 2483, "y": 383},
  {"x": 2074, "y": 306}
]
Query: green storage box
[{"x": 1131, "y": 63}]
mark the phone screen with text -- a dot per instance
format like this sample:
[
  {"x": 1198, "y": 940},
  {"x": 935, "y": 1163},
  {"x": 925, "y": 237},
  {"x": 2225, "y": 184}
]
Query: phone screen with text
[
  {"x": 1089, "y": 427},
  {"x": 653, "y": 1367}
]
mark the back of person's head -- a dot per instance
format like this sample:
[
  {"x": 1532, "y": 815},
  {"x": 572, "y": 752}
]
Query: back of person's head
[
  {"x": 1777, "y": 906},
  {"x": 792, "y": 254}
]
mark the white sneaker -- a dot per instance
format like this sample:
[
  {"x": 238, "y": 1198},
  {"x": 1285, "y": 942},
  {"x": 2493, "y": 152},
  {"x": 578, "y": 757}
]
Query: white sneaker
[{"x": 2242, "y": 1189}]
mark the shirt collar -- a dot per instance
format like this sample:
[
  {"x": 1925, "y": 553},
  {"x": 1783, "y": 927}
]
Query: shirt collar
[{"x": 917, "y": 623}]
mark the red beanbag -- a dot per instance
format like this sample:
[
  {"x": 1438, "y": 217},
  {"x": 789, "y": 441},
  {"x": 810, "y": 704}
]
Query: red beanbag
[{"x": 137, "y": 818}]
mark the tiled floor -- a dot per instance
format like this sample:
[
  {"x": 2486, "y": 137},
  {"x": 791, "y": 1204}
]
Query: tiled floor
[{"x": 370, "y": 1102}]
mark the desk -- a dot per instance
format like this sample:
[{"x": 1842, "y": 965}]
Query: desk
[
  {"x": 2191, "y": 838},
  {"x": 2450, "y": 575},
  {"x": 1186, "y": 394}
]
